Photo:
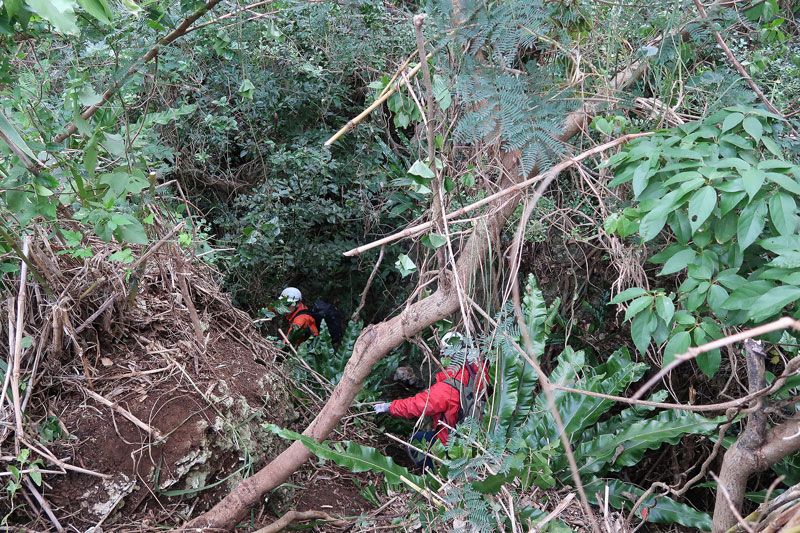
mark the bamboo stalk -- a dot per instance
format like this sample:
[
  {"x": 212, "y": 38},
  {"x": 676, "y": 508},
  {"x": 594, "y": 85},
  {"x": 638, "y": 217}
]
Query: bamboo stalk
[{"x": 413, "y": 230}]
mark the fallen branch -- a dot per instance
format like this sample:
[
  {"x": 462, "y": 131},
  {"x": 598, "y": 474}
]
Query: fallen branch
[
  {"x": 381, "y": 99},
  {"x": 414, "y": 230},
  {"x": 153, "y": 52},
  {"x": 124, "y": 412},
  {"x": 296, "y": 516},
  {"x": 44, "y": 505}
]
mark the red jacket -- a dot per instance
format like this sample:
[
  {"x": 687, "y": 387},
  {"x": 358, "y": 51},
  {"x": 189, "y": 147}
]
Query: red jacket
[
  {"x": 440, "y": 401},
  {"x": 301, "y": 321}
]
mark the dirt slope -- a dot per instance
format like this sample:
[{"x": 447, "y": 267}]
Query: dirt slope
[{"x": 156, "y": 340}]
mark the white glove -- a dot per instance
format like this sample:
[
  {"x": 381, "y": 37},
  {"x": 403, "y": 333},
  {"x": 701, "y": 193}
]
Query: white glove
[{"x": 381, "y": 408}]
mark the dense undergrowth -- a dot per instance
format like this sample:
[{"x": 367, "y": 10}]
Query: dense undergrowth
[{"x": 693, "y": 228}]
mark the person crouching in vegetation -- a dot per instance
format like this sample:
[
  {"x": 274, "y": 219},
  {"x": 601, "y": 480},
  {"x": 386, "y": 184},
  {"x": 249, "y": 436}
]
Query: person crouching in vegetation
[
  {"x": 301, "y": 324},
  {"x": 457, "y": 393}
]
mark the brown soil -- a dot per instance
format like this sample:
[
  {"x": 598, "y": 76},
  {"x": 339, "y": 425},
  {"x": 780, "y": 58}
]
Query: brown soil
[{"x": 206, "y": 397}]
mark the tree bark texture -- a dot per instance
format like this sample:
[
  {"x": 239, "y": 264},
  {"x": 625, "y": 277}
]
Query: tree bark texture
[{"x": 756, "y": 449}]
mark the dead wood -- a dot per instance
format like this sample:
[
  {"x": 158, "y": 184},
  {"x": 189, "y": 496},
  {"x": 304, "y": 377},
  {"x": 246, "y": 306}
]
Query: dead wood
[{"x": 299, "y": 516}]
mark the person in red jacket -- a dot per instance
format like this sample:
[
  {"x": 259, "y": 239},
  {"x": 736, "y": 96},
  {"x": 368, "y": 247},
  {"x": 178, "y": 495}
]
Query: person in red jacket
[
  {"x": 441, "y": 402},
  {"x": 301, "y": 324}
]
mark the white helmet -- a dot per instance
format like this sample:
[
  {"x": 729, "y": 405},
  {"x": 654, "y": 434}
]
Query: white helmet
[
  {"x": 292, "y": 295},
  {"x": 451, "y": 338}
]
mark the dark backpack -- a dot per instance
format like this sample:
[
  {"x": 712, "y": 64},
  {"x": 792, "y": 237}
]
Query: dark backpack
[
  {"x": 320, "y": 311},
  {"x": 472, "y": 399}
]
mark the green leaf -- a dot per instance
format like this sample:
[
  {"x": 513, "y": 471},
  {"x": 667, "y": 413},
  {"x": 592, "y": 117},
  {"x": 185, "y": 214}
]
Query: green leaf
[
  {"x": 12, "y": 7},
  {"x": 114, "y": 144},
  {"x": 98, "y": 9},
  {"x": 357, "y": 458},
  {"x": 742, "y": 298},
  {"x": 665, "y": 308},
  {"x": 637, "y": 306},
  {"x": 773, "y": 301},
  {"x": 59, "y": 13},
  {"x": 628, "y": 294},
  {"x": 678, "y": 262},
  {"x": 707, "y": 361},
  {"x": 784, "y": 181},
  {"x": 731, "y": 121},
  {"x": 434, "y": 240},
  {"x": 640, "y": 176},
  {"x": 132, "y": 232},
  {"x": 121, "y": 182},
  {"x": 652, "y": 224},
  {"x": 14, "y": 137},
  {"x": 405, "y": 265},
  {"x": 642, "y": 327},
  {"x": 753, "y": 127},
  {"x": 717, "y": 295},
  {"x": 661, "y": 510},
  {"x": 753, "y": 179},
  {"x": 783, "y": 212},
  {"x": 751, "y": 223},
  {"x": 677, "y": 344},
  {"x": 701, "y": 204},
  {"x": 422, "y": 170},
  {"x": 36, "y": 477},
  {"x": 246, "y": 89}
]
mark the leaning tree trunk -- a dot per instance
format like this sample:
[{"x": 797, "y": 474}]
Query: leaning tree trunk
[
  {"x": 755, "y": 450},
  {"x": 376, "y": 341}
]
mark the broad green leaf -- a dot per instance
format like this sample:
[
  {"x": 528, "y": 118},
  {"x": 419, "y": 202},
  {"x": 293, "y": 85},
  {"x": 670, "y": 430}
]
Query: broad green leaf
[
  {"x": 246, "y": 89},
  {"x": 434, "y": 240},
  {"x": 131, "y": 6},
  {"x": 787, "y": 182},
  {"x": 707, "y": 361},
  {"x": 661, "y": 510},
  {"x": 678, "y": 262},
  {"x": 773, "y": 301},
  {"x": 132, "y": 232},
  {"x": 642, "y": 327},
  {"x": 121, "y": 182},
  {"x": 729, "y": 201},
  {"x": 665, "y": 308},
  {"x": 677, "y": 344},
  {"x": 114, "y": 144},
  {"x": 628, "y": 294},
  {"x": 701, "y": 204},
  {"x": 98, "y": 9},
  {"x": 751, "y": 223},
  {"x": 422, "y": 170},
  {"x": 738, "y": 141},
  {"x": 60, "y": 13},
  {"x": 12, "y": 7},
  {"x": 717, "y": 295},
  {"x": 14, "y": 137},
  {"x": 628, "y": 446},
  {"x": 405, "y": 265},
  {"x": 731, "y": 121},
  {"x": 357, "y": 458},
  {"x": 753, "y": 127},
  {"x": 652, "y": 224},
  {"x": 783, "y": 212},
  {"x": 744, "y": 296},
  {"x": 640, "y": 176},
  {"x": 753, "y": 179},
  {"x": 637, "y": 306}
]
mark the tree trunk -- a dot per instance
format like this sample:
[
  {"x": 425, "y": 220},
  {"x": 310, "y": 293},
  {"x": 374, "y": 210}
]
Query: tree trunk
[{"x": 376, "y": 341}]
